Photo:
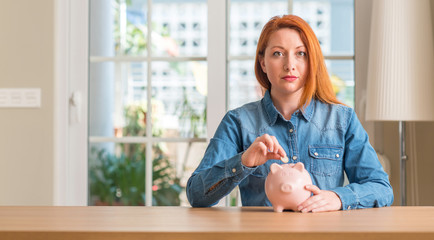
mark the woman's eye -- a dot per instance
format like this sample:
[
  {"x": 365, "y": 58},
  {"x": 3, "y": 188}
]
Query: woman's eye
[
  {"x": 301, "y": 54},
  {"x": 278, "y": 54}
]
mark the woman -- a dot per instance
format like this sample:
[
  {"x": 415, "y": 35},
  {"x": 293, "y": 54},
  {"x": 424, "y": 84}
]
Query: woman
[{"x": 300, "y": 118}]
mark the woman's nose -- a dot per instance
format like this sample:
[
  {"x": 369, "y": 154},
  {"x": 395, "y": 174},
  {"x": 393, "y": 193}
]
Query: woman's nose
[
  {"x": 288, "y": 64},
  {"x": 288, "y": 67}
]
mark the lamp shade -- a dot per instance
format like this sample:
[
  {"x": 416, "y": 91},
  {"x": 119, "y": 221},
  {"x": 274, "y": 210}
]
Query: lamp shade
[{"x": 401, "y": 62}]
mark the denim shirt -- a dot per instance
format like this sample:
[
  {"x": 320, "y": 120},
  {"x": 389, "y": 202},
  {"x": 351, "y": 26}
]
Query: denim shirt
[{"x": 327, "y": 138}]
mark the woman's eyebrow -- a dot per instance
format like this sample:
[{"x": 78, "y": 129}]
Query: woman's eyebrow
[
  {"x": 281, "y": 47},
  {"x": 277, "y": 46}
]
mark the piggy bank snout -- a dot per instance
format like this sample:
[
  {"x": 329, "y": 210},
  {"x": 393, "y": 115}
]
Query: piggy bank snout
[{"x": 286, "y": 188}]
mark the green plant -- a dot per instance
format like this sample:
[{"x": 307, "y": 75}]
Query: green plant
[
  {"x": 119, "y": 178},
  {"x": 134, "y": 40},
  {"x": 191, "y": 119}
]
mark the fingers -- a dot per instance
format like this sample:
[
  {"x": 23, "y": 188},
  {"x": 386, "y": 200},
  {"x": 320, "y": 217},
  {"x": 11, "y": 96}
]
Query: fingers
[
  {"x": 311, "y": 203},
  {"x": 257, "y": 154},
  {"x": 272, "y": 145},
  {"x": 264, "y": 148},
  {"x": 321, "y": 209},
  {"x": 321, "y": 202},
  {"x": 314, "y": 189},
  {"x": 271, "y": 155},
  {"x": 316, "y": 206},
  {"x": 269, "y": 141},
  {"x": 279, "y": 150}
]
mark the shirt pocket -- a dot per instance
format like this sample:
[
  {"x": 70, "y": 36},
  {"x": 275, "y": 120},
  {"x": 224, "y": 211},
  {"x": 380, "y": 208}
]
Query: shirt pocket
[{"x": 325, "y": 160}]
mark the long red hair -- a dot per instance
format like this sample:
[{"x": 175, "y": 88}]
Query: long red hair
[{"x": 318, "y": 84}]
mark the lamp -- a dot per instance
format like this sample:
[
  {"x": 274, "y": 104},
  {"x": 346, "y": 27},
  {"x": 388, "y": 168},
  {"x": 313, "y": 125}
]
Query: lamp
[{"x": 400, "y": 70}]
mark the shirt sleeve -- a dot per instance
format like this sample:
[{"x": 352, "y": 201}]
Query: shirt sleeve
[
  {"x": 220, "y": 170},
  {"x": 369, "y": 183}
]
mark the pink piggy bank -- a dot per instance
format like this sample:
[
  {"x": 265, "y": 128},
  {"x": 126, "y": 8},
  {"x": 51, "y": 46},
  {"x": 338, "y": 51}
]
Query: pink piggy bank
[{"x": 284, "y": 186}]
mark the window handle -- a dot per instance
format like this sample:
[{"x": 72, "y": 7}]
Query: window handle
[{"x": 75, "y": 105}]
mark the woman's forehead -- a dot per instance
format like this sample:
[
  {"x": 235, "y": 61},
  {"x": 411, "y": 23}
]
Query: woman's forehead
[{"x": 285, "y": 37}]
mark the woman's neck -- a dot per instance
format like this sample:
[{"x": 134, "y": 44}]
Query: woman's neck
[{"x": 286, "y": 104}]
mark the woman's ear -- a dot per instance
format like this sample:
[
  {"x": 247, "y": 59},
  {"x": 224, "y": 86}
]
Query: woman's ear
[{"x": 262, "y": 62}]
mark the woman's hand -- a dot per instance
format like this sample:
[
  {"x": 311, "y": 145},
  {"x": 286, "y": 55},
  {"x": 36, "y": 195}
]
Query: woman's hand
[
  {"x": 321, "y": 201},
  {"x": 264, "y": 148}
]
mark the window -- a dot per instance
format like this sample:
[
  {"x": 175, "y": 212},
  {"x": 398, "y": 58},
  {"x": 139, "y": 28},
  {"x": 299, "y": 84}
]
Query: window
[
  {"x": 332, "y": 22},
  {"x": 148, "y": 85},
  {"x": 147, "y": 101}
]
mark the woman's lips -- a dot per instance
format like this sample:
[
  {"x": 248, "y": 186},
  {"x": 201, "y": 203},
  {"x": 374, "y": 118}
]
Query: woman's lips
[{"x": 290, "y": 78}]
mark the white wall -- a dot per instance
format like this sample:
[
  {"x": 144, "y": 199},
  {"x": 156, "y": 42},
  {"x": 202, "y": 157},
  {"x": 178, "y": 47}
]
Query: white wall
[{"x": 26, "y": 142}]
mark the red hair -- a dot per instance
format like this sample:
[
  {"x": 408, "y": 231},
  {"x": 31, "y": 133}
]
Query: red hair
[{"x": 318, "y": 84}]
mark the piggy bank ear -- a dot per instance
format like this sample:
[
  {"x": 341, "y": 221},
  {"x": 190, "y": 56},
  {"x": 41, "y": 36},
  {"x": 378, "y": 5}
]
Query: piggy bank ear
[
  {"x": 275, "y": 168},
  {"x": 299, "y": 166}
]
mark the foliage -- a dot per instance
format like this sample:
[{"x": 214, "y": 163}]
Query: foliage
[
  {"x": 135, "y": 42},
  {"x": 119, "y": 178},
  {"x": 192, "y": 118},
  {"x": 135, "y": 39}
]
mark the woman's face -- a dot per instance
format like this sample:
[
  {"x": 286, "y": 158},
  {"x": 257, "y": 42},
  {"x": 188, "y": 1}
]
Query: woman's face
[{"x": 285, "y": 62}]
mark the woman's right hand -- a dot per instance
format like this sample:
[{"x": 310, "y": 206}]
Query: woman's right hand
[{"x": 264, "y": 148}]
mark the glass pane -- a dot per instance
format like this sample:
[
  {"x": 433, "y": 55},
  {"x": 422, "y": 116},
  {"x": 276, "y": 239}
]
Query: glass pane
[
  {"x": 118, "y": 27},
  {"x": 243, "y": 87},
  {"x": 179, "y": 27},
  {"x": 342, "y": 77},
  {"x": 117, "y": 99},
  {"x": 117, "y": 174},
  {"x": 332, "y": 22},
  {"x": 247, "y": 17},
  {"x": 130, "y": 27},
  {"x": 103, "y": 28},
  {"x": 173, "y": 164},
  {"x": 179, "y": 90}
]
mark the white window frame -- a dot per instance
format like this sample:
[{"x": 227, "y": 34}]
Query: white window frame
[
  {"x": 70, "y": 181},
  {"x": 70, "y": 120}
]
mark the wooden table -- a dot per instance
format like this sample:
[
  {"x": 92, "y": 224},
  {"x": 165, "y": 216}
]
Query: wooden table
[{"x": 213, "y": 223}]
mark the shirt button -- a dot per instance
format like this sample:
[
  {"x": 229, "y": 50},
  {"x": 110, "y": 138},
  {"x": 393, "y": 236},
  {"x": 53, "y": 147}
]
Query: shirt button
[
  {"x": 234, "y": 170},
  {"x": 337, "y": 155},
  {"x": 349, "y": 207},
  {"x": 291, "y": 130},
  {"x": 316, "y": 154},
  {"x": 294, "y": 157}
]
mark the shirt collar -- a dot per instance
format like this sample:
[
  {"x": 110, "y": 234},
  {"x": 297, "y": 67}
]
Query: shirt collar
[
  {"x": 269, "y": 107},
  {"x": 272, "y": 112},
  {"x": 308, "y": 110}
]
